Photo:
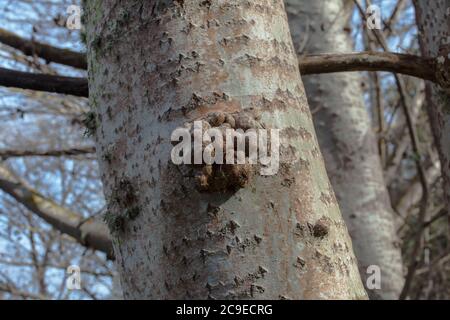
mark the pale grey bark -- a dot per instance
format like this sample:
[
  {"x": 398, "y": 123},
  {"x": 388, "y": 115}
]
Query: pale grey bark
[
  {"x": 433, "y": 20},
  {"x": 347, "y": 141},
  {"x": 153, "y": 65}
]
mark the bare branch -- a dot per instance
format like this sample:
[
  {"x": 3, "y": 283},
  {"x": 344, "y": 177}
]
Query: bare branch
[
  {"x": 44, "y": 82},
  {"x": 44, "y": 51},
  {"x": 368, "y": 61},
  {"x": 89, "y": 233},
  {"x": 19, "y": 293},
  {"x": 47, "y": 153}
]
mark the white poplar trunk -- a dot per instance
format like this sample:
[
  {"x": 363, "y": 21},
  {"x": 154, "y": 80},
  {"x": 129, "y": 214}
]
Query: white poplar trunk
[{"x": 154, "y": 65}]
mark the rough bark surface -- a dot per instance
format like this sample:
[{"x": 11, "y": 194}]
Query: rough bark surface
[
  {"x": 433, "y": 20},
  {"x": 347, "y": 142},
  {"x": 153, "y": 65}
]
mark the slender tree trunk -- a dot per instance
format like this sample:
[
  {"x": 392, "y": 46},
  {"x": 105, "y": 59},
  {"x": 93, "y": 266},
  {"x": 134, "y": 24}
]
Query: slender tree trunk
[
  {"x": 155, "y": 65},
  {"x": 433, "y": 21},
  {"x": 347, "y": 142}
]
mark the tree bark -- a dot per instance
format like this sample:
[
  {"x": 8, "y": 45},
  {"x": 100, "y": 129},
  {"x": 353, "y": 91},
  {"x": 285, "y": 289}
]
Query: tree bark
[
  {"x": 67, "y": 152},
  {"x": 433, "y": 21},
  {"x": 154, "y": 65},
  {"x": 348, "y": 143},
  {"x": 368, "y": 61},
  {"x": 44, "y": 51}
]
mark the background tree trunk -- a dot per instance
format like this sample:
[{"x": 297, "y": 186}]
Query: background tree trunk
[
  {"x": 433, "y": 21},
  {"x": 153, "y": 65},
  {"x": 347, "y": 141}
]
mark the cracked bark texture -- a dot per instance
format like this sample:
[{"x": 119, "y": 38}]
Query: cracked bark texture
[
  {"x": 153, "y": 65},
  {"x": 347, "y": 142},
  {"x": 433, "y": 21}
]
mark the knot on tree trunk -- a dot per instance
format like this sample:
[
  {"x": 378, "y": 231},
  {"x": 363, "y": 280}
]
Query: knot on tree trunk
[{"x": 228, "y": 152}]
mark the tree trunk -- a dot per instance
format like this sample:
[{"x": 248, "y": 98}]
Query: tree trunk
[
  {"x": 347, "y": 142},
  {"x": 433, "y": 21},
  {"x": 155, "y": 65}
]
